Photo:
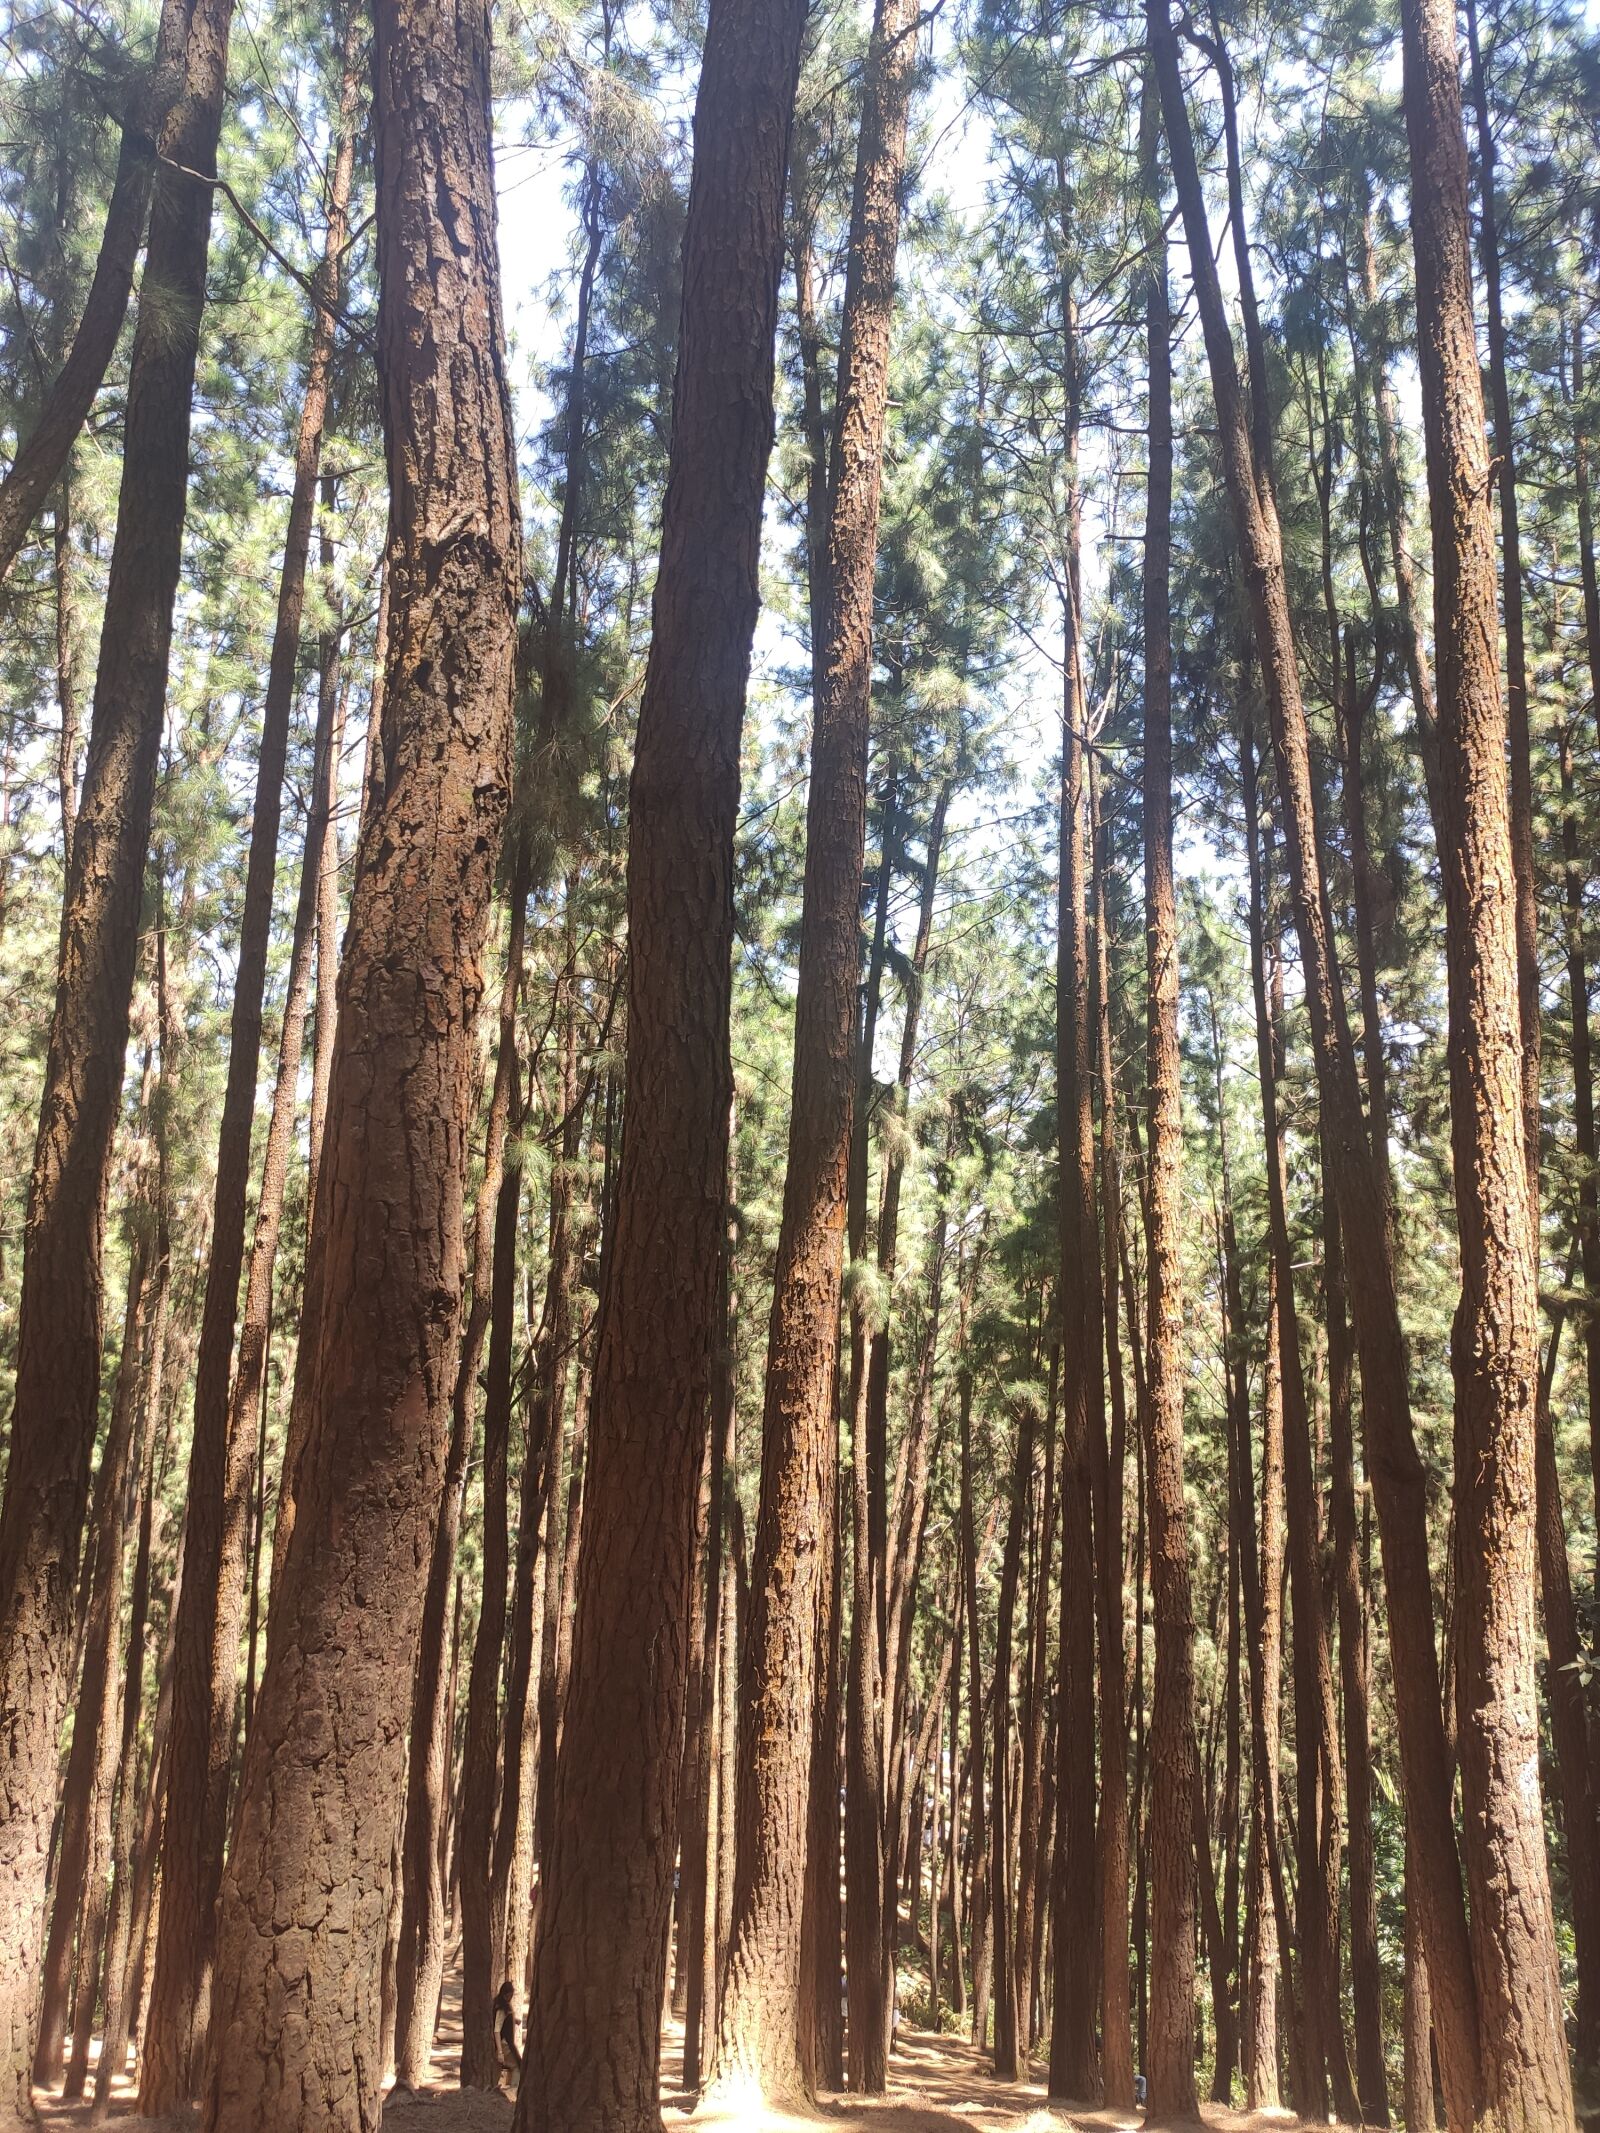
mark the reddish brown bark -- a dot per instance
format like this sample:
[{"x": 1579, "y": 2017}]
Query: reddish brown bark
[
  {"x": 1583, "y": 1115},
  {"x": 297, "y": 2015},
  {"x": 757, "y": 2037},
  {"x": 1116, "y": 2009},
  {"x": 92, "y": 1761},
  {"x": 1074, "y": 2059},
  {"x": 1169, "y": 2061},
  {"x": 1392, "y": 1458},
  {"x": 1525, "y": 2079},
  {"x": 56, "y": 1400},
  {"x": 599, "y": 1963},
  {"x": 420, "y": 1958},
  {"x": 205, "y": 1693}
]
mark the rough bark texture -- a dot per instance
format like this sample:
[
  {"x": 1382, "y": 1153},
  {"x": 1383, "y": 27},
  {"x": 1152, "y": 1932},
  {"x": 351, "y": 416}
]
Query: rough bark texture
[
  {"x": 1392, "y": 1458},
  {"x": 1524, "y": 2071},
  {"x": 1074, "y": 2059},
  {"x": 1116, "y": 1998},
  {"x": 420, "y": 1956},
  {"x": 1583, "y": 1116},
  {"x": 481, "y": 1741},
  {"x": 593, "y": 2043},
  {"x": 758, "y": 2031},
  {"x": 1169, "y": 2062},
  {"x": 205, "y": 1689},
  {"x": 1366, "y": 1977},
  {"x": 59, "y": 1317},
  {"x": 91, "y": 1762},
  {"x": 295, "y": 2032}
]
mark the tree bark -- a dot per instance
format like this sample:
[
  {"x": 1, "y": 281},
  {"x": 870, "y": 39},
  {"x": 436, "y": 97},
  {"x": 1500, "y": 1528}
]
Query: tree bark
[
  {"x": 92, "y": 1760},
  {"x": 296, "y": 2028},
  {"x": 1392, "y": 1458},
  {"x": 1525, "y": 2078},
  {"x": 55, "y": 1407},
  {"x": 1116, "y": 2012},
  {"x": 485, "y": 1737},
  {"x": 205, "y": 1690},
  {"x": 593, "y": 2046},
  {"x": 1170, "y": 2061},
  {"x": 1006, "y": 1806},
  {"x": 420, "y": 1957},
  {"x": 148, "y": 132},
  {"x": 1583, "y": 1116},
  {"x": 757, "y": 2037}
]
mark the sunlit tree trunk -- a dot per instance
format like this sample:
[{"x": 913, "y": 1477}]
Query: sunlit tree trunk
[
  {"x": 593, "y": 2047},
  {"x": 296, "y": 2029}
]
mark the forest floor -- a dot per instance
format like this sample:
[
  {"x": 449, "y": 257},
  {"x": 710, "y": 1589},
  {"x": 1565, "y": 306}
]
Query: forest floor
[{"x": 937, "y": 2084}]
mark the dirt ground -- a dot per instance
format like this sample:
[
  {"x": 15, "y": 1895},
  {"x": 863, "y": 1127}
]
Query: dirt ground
[{"x": 937, "y": 2084}]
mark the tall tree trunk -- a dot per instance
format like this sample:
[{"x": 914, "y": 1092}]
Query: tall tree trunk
[
  {"x": 757, "y": 2038},
  {"x": 1583, "y": 1117},
  {"x": 421, "y": 1955},
  {"x": 66, "y": 579},
  {"x": 1116, "y": 2012},
  {"x": 1366, "y": 1977},
  {"x": 255, "y": 1325},
  {"x": 91, "y": 1763},
  {"x": 869, "y": 1934},
  {"x": 1074, "y": 2068},
  {"x": 95, "y": 1724},
  {"x": 528, "y": 1755},
  {"x": 172, "y": 2061},
  {"x": 485, "y": 1738},
  {"x": 1392, "y": 1458},
  {"x": 296, "y": 2033},
  {"x": 1033, "y": 1854},
  {"x": 129, "y": 1819},
  {"x": 1261, "y": 1577},
  {"x": 151, "y": 127},
  {"x": 593, "y": 2049},
  {"x": 55, "y": 1408},
  {"x": 1392, "y": 491},
  {"x": 1006, "y": 1806},
  {"x": 700, "y": 1870},
  {"x": 1170, "y": 2062},
  {"x": 1524, "y": 2072}
]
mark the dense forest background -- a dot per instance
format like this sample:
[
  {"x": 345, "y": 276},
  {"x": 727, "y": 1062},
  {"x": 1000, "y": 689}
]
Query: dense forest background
[{"x": 1135, "y": 1143}]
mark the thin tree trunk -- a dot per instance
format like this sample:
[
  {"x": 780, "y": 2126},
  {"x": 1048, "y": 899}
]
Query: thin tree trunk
[
  {"x": 700, "y": 1869},
  {"x": 91, "y": 1762},
  {"x": 298, "y": 2016},
  {"x": 1006, "y": 1805},
  {"x": 66, "y": 577},
  {"x": 869, "y": 1933},
  {"x": 421, "y": 1954},
  {"x": 59, "y": 1321},
  {"x": 1583, "y": 1116},
  {"x": 757, "y": 2038},
  {"x": 150, "y": 128},
  {"x": 1116, "y": 2013},
  {"x": 1392, "y": 1458},
  {"x": 1366, "y": 1977},
  {"x": 1033, "y": 1855},
  {"x": 1170, "y": 2064},
  {"x": 172, "y": 2061},
  {"x": 593, "y": 2050},
  {"x": 485, "y": 1738}
]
